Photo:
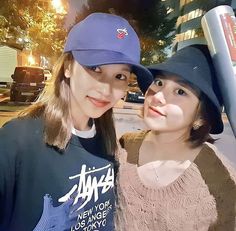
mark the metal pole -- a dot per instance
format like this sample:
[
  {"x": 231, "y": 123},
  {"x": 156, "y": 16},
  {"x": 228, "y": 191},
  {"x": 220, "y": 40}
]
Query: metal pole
[{"x": 219, "y": 27}]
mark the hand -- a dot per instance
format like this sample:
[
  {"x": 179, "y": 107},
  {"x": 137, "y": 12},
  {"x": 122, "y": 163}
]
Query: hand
[{"x": 58, "y": 218}]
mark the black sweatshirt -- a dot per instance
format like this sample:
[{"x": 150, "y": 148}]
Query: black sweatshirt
[{"x": 30, "y": 169}]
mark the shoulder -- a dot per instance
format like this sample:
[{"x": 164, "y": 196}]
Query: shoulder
[
  {"x": 220, "y": 178},
  {"x": 219, "y": 160},
  {"x": 21, "y": 127},
  {"x": 19, "y": 138},
  {"x": 217, "y": 172},
  {"x": 22, "y": 122},
  {"x": 131, "y": 142},
  {"x": 132, "y": 138},
  {"x": 211, "y": 159}
]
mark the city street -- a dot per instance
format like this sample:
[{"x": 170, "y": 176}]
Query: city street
[{"x": 127, "y": 118}]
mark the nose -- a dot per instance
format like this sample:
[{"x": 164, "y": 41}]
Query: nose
[
  {"x": 104, "y": 88},
  {"x": 159, "y": 98}
]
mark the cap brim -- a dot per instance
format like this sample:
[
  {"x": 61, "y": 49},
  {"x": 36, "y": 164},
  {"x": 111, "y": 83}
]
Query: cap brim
[{"x": 104, "y": 57}]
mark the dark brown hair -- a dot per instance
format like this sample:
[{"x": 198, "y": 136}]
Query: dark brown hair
[
  {"x": 54, "y": 106},
  {"x": 202, "y": 134}
]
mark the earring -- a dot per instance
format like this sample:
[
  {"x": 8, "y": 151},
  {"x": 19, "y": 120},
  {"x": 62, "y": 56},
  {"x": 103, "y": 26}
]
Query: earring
[
  {"x": 196, "y": 126},
  {"x": 67, "y": 73}
]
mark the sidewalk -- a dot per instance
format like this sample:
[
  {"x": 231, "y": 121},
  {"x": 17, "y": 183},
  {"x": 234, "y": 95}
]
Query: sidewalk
[
  {"x": 127, "y": 105},
  {"x": 3, "y": 97}
]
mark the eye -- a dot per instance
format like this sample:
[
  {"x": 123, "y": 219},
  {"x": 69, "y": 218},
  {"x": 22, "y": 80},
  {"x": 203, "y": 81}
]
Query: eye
[
  {"x": 158, "y": 82},
  {"x": 181, "y": 92},
  {"x": 95, "y": 69},
  {"x": 121, "y": 77}
]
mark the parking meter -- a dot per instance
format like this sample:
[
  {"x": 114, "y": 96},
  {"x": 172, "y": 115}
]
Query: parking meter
[{"x": 219, "y": 27}]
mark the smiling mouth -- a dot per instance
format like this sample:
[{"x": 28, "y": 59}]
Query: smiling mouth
[
  {"x": 98, "y": 102},
  {"x": 155, "y": 111}
]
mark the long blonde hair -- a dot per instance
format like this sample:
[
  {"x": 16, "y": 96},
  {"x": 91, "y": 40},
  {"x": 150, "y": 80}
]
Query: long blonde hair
[{"x": 54, "y": 106}]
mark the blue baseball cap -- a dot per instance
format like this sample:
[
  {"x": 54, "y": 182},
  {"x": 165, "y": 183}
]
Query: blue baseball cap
[{"x": 102, "y": 39}]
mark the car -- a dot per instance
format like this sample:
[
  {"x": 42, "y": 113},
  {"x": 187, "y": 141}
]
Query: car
[
  {"x": 135, "y": 97},
  {"x": 28, "y": 83},
  {"x": 47, "y": 74},
  {"x": 134, "y": 94}
]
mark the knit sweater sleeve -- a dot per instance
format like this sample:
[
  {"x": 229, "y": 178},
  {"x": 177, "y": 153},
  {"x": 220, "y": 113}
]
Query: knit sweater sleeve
[{"x": 221, "y": 180}]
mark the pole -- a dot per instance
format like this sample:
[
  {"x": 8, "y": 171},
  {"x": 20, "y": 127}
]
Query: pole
[{"x": 219, "y": 27}]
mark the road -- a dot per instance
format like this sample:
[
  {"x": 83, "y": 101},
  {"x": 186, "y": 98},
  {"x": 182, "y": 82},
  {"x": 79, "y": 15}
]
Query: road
[
  {"x": 8, "y": 110},
  {"x": 127, "y": 118}
]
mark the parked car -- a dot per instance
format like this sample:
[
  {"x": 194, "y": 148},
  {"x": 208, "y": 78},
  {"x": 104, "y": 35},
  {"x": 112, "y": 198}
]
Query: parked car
[
  {"x": 47, "y": 74},
  {"x": 134, "y": 94},
  {"x": 28, "y": 83}
]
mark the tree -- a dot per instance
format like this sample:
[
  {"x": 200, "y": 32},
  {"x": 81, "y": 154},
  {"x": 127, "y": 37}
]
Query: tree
[
  {"x": 149, "y": 18},
  {"x": 47, "y": 32},
  {"x": 31, "y": 26},
  {"x": 12, "y": 23}
]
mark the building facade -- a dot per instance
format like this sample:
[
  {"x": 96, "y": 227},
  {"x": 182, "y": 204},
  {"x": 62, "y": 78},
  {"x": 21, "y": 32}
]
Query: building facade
[
  {"x": 10, "y": 57},
  {"x": 188, "y": 26}
]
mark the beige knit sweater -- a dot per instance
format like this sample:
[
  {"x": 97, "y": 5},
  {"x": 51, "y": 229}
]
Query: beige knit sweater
[{"x": 202, "y": 198}]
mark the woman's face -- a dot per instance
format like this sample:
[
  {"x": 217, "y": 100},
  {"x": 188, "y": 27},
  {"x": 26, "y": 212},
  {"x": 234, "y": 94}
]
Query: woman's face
[
  {"x": 170, "y": 105},
  {"x": 94, "y": 90}
]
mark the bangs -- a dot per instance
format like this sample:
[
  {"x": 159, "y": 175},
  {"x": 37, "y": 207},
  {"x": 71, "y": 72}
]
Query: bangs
[{"x": 178, "y": 79}]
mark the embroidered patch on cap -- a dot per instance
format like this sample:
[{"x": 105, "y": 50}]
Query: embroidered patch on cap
[{"x": 122, "y": 33}]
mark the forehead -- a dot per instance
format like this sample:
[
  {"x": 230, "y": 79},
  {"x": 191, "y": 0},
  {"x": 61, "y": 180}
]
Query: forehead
[
  {"x": 179, "y": 80},
  {"x": 172, "y": 77},
  {"x": 117, "y": 66}
]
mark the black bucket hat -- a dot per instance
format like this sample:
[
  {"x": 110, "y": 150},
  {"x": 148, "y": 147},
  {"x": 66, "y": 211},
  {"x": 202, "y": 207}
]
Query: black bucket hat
[{"x": 194, "y": 64}]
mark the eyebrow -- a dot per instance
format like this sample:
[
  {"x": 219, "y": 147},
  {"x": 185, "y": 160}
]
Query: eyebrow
[
  {"x": 128, "y": 69},
  {"x": 181, "y": 82},
  {"x": 190, "y": 87},
  {"x": 184, "y": 83},
  {"x": 178, "y": 80}
]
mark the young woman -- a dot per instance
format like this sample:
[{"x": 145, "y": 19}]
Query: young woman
[
  {"x": 174, "y": 178},
  {"x": 61, "y": 150}
]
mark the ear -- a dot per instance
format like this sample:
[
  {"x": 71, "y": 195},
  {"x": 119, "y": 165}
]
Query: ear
[{"x": 67, "y": 70}]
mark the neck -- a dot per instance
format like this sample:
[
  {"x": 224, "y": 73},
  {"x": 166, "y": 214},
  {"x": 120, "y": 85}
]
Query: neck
[
  {"x": 169, "y": 138},
  {"x": 166, "y": 147},
  {"x": 80, "y": 123},
  {"x": 79, "y": 120}
]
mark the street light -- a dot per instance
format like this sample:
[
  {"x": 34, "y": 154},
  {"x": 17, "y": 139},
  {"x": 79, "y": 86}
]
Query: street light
[
  {"x": 57, "y": 5},
  {"x": 31, "y": 60}
]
